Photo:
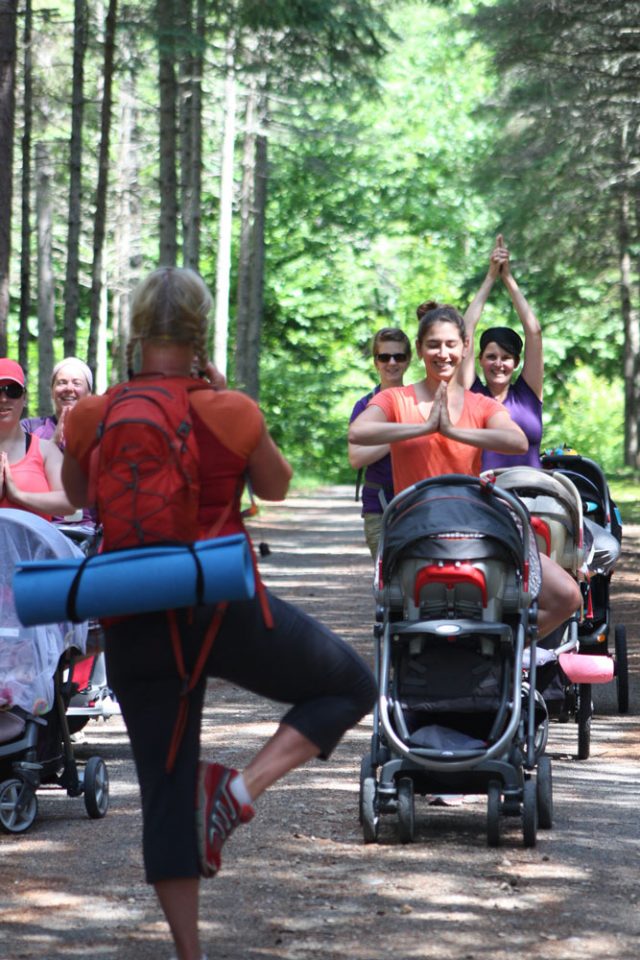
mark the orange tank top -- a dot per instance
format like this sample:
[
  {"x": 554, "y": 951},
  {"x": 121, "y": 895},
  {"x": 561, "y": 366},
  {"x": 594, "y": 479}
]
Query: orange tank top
[{"x": 29, "y": 475}]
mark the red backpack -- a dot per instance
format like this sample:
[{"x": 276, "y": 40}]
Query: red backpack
[
  {"x": 147, "y": 491},
  {"x": 147, "y": 483}
]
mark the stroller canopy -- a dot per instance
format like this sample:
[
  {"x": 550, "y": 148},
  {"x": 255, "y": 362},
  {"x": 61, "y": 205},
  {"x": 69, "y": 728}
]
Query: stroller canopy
[
  {"x": 422, "y": 524},
  {"x": 29, "y": 655}
]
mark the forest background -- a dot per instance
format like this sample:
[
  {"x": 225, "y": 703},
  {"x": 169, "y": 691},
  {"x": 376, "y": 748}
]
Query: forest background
[{"x": 327, "y": 165}]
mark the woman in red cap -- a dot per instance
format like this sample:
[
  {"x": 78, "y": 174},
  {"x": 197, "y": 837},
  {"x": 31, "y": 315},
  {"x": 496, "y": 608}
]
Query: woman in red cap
[
  {"x": 30, "y": 467},
  {"x": 499, "y": 357}
]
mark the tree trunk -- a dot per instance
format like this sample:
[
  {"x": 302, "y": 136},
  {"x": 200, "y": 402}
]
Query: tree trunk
[
  {"x": 225, "y": 217},
  {"x": 251, "y": 266},
  {"x": 632, "y": 354},
  {"x": 46, "y": 311},
  {"x": 256, "y": 301},
  {"x": 25, "y": 199},
  {"x": 99, "y": 229},
  {"x": 167, "y": 22},
  {"x": 72, "y": 280},
  {"x": 8, "y": 33},
  {"x": 191, "y": 133},
  {"x": 630, "y": 429},
  {"x": 243, "y": 360},
  {"x": 128, "y": 230},
  {"x": 630, "y": 313}
]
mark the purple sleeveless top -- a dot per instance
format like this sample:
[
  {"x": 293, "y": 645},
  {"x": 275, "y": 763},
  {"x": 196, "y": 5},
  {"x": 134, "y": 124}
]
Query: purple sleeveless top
[
  {"x": 524, "y": 409},
  {"x": 377, "y": 476}
]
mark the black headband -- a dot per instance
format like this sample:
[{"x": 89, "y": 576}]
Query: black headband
[{"x": 505, "y": 337}]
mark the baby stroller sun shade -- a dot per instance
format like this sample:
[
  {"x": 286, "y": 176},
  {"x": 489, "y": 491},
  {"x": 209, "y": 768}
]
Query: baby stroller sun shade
[{"x": 475, "y": 523}]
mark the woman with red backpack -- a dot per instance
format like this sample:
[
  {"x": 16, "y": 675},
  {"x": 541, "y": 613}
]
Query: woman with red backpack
[{"x": 264, "y": 645}]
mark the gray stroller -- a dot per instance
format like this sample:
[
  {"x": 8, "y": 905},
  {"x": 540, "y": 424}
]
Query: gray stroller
[
  {"x": 454, "y": 613},
  {"x": 35, "y": 742}
]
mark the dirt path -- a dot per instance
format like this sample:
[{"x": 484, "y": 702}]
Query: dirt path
[{"x": 298, "y": 883}]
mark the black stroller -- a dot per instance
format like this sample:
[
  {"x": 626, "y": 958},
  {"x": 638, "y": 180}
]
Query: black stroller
[
  {"x": 594, "y": 629},
  {"x": 35, "y": 743},
  {"x": 454, "y": 612}
]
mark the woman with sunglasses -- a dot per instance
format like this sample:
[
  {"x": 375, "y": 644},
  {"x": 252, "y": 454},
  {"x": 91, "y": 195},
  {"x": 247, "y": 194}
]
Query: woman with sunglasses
[
  {"x": 30, "y": 467},
  {"x": 391, "y": 352}
]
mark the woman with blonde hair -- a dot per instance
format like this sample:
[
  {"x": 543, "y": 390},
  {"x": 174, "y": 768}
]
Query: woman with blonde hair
[
  {"x": 273, "y": 649},
  {"x": 71, "y": 380}
]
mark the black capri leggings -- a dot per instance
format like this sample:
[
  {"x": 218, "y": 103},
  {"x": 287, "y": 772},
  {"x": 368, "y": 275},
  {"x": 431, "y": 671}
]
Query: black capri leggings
[{"x": 299, "y": 662}]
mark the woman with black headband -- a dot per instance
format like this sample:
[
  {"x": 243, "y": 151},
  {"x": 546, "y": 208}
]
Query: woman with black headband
[{"x": 499, "y": 357}]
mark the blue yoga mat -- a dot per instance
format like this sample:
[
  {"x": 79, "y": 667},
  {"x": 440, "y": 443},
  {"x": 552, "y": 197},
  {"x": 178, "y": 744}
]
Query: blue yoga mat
[{"x": 138, "y": 580}]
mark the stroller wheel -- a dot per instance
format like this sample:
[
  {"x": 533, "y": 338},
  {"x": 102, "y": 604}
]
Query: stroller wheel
[
  {"x": 544, "y": 793},
  {"x": 529, "y": 813},
  {"x": 622, "y": 668},
  {"x": 96, "y": 788},
  {"x": 370, "y": 814},
  {"x": 542, "y": 730},
  {"x": 406, "y": 810},
  {"x": 367, "y": 769},
  {"x": 493, "y": 814},
  {"x": 18, "y": 806},
  {"x": 583, "y": 719}
]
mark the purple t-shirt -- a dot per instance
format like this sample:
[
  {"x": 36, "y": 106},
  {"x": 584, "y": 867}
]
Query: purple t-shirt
[
  {"x": 377, "y": 476},
  {"x": 43, "y": 427},
  {"x": 525, "y": 409}
]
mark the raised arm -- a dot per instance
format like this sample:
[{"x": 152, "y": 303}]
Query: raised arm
[
  {"x": 499, "y": 256},
  {"x": 269, "y": 472},
  {"x": 533, "y": 365}
]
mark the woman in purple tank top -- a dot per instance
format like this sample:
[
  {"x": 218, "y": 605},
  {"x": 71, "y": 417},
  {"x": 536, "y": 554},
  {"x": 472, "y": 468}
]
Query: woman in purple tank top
[{"x": 499, "y": 357}]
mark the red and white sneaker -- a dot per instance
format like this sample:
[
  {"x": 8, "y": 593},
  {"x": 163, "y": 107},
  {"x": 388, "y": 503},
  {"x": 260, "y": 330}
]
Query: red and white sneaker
[{"x": 218, "y": 813}]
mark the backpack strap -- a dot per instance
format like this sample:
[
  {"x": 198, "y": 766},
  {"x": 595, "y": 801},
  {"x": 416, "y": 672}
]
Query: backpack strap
[
  {"x": 361, "y": 470},
  {"x": 359, "y": 477},
  {"x": 189, "y": 681}
]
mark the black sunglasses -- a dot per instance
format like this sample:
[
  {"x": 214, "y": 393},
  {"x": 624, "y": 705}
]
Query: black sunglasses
[
  {"x": 12, "y": 390},
  {"x": 386, "y": 357}
]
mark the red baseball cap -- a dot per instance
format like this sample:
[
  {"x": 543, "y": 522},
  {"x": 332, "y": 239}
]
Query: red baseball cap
[{"x": 10, "y": 370}]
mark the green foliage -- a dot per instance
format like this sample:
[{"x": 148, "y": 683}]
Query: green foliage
[
  {"x": 402, "y": 138},
  {"x": 559, "y": 166},
  {"x": 369, "y": 214},
  {"x": 589, "y": 417},
  {"x": 624, "y": 490}
]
